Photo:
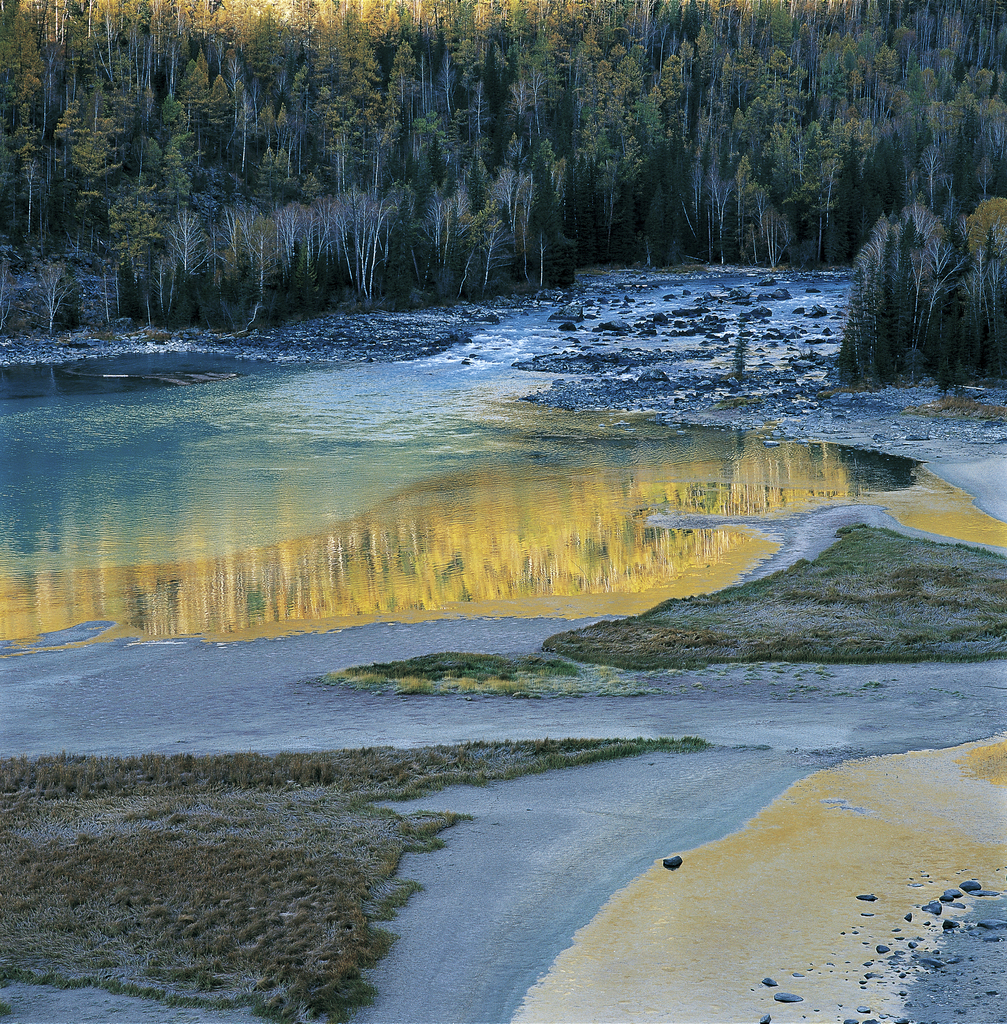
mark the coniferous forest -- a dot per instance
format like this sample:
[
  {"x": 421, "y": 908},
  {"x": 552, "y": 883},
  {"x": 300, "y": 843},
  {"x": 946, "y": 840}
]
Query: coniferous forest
[{"x": 221, "y": 162}]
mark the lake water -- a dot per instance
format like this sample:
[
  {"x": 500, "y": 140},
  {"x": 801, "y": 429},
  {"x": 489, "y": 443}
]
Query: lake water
[{"x": 297, "y": 497}]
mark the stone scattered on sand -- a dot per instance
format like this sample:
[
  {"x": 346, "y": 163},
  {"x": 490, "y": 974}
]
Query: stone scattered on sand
[
  {"x": 992, "y": 923},
  {"x": 985, "y": 892},
  {"x": 765, "y": 1019},
  {"x": 933, "y": 907},
  {"x": 948, "y": 925},
  {"x": 787, "y": 997},
  {"x": 882, "y": 948},
  {"x": 672, "y": 862},
  {"x": 971, "y": 886},
  {"x": 867, "y": 897},
  {"x": 769, "y": 983},
  {"x": 949, "y": 895}
]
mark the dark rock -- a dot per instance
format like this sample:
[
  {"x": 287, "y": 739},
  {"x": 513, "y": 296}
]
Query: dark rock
[
  {"x": 908, "y": 916},
  {"x": 812, "y": 291},
  {"x": 827, "y": 331},
  {"x": 971, "y": 886},
  {"x": 765, "y": 1019},
  {"x": 672, "y": 862},
  {"x": 929, "y": 961},
  {"x": 571, "y": 311},
  {"x": 787, "y": 997},
  {"x": 769, "y": 983},
  {"x": 985, "y": 892},
  {"x": 780, "y": 294},
  {"x": 568, "y": 326},
  {"x": 613, "y": 327},
  {"x": 949, "y": 895},
  {"x": 863, "y": 1009},
  {"x": 818, "y": 310},
  {"x": 653, "y": 374},
  {"x": 867, "y": 897},
  {"x": 799, "y": 309},
  {"x": 767, "y": 282},
  {"x": 883, "y": 948},
  {"x": 933, "y": 907},
  {"x": 762, "y": 312},
  {"x": 948, "y": 925}
]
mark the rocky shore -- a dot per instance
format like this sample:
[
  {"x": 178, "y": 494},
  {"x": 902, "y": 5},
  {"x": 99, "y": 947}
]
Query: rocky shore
[{"x": 360, "y": 337}]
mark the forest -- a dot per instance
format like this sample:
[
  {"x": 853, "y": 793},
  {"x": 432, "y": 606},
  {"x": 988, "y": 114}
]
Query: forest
[{"x": 222, "y": 162}]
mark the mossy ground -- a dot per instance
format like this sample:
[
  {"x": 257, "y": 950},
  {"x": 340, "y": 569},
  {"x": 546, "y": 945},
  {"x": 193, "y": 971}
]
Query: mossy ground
[
  {"x": 460, "y": 672},
  {"x": 872, "y": 597},
  {"x": 232, "y": 879}
]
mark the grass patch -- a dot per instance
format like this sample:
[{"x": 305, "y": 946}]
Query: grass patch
[
  {"x": 958, "y": 407},
  {"x": 873, "y": 597},
  {"x": 235, "y": 879},
  {"x": 459, "y": 672}
]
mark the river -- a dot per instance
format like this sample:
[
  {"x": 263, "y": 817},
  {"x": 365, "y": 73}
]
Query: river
[{"x": 276, "y": 497}]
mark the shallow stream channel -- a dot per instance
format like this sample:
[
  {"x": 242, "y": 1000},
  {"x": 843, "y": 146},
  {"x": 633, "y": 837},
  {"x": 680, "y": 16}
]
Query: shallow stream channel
[{"x": 160, "y": 495}]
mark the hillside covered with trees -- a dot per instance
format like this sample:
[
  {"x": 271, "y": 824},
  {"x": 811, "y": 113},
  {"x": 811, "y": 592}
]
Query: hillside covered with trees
[{"x": 215, "y": 161}]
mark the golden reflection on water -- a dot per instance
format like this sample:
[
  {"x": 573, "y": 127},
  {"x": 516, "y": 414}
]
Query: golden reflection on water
[
  {"x": 534, "y": 537},
  {"x": 935, "y": 506},
  {"x": 778, "y": 898}
]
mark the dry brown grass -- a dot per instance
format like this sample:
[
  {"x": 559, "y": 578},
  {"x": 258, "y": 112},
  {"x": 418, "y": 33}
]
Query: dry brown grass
[
  {"x": 872, "y": 597},
  {"x": 229, "y": 879},
  {"x": 958, "y": 407}
]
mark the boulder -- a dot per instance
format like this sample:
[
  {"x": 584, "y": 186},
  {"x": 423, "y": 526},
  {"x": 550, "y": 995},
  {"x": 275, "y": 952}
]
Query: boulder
[
  {"x": 613, "y": 327},
  {"x": 571, "y": 311},
  {"x": 818, "y": 310}
]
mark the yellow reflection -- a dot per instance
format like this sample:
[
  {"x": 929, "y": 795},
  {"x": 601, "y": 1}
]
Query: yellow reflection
[
  {"x": 779, "y": 898},
  {"x": 533, "y": 539},
  {"x": 938, "y": 507}
]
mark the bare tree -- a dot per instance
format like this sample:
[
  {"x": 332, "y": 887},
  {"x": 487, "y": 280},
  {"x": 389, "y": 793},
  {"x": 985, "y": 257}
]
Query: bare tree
[
  {"x": 719, "y": 190},
  {"x": 187, "y": 242},
  {"x": 55, "y": 284},
  {"x": 6, "y": 292}
]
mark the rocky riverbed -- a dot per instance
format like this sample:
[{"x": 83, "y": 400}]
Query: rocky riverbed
[{"x": 730, "y": 347}]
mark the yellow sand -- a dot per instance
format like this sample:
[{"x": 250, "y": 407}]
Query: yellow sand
[{"x": 779, "y": 897}]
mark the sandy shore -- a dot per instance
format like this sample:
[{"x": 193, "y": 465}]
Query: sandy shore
[{"x": 542, "y": 855}]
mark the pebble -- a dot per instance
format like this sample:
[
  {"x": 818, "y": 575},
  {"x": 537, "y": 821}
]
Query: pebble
[
  {"x": 769, "y": 983},
  {"x": 867, "y": 897},
  {"x": 672, "y": 862},
  {"x": 787, "y": 997},
  {"x": 971, "y": 886},
  {"x": 883, "y": 948}
]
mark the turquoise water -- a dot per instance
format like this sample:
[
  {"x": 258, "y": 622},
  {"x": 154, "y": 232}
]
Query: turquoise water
[{"x": 303, "y": 492}]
